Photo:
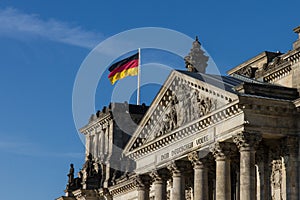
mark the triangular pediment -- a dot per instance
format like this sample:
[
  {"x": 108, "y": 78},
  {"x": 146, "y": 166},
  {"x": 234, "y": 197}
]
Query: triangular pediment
[{"x": 185, "y": 97}]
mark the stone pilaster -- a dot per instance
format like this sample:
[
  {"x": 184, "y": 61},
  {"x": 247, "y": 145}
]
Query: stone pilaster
[
  {"x": 177, "y": 169},
  {"x": 221, "y": 152},
  {"x": 142, "y": 183},
  {"x": 159, "y": 178},
  {"x": 200, "y": 176},
  {"x": 290, "y": 147},
  {"x": 247, "y": 142},
  {"x": 263, "y": 173}
]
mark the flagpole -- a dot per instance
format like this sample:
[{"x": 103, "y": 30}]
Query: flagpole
[{"x": 139, "y": 79}]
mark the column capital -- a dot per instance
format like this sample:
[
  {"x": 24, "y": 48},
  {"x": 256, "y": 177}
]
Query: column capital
[
  {"x": 177, "y": 167},
  {"x": 142, "y": 182},
  {"x": 196, "y": 160},
  {"x": 222, "y": 150},
  {"x": 247, "y": 140},
  {"x": 159, "y": 175}
]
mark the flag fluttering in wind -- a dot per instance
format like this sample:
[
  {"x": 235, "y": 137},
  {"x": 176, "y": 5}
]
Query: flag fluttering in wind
[{"x": 126, "y": 67}]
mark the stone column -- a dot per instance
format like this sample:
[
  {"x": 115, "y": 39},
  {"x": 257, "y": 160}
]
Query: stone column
[
  {"x": 159, "y": 178},
  {"x": 178, "y": 191},
  {"x": 200, "y": 176},
  {"x": 143, "y": 186},
  {"x": 247, "y": 143},
  {"x": 263, "y": 176},
  {"x": 291, "y": 147},
  {"x": 221, "y": 152}
]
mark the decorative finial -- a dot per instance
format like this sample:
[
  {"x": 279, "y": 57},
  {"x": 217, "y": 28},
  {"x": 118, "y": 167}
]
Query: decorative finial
[{"x": 196, "y": 61}]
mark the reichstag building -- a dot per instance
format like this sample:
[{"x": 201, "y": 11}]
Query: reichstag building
[{"x": 204, "y": 136}]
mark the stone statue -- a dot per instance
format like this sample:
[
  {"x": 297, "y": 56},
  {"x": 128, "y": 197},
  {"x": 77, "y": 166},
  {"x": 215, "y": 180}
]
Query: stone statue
[
  {"x": 71, "y": 174},
  {"x": 89, "y": 165},
  {"x": 184, "y": 104},
  {"x": 195, "y": 105}
]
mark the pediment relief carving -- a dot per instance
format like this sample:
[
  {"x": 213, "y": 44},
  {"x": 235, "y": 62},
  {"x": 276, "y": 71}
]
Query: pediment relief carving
[{"x": 183, "y": 101}]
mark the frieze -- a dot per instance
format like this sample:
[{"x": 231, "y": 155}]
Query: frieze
[
  {"x": 198, "y": 142},
  {"x": 184, "y": 106}
]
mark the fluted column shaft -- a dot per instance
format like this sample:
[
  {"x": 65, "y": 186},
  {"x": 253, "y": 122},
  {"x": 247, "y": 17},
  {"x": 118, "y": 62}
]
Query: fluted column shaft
[
  {"x": 223, "y": 179},
  {"x": 160, "y": 190},
  {"x": 247, "y": 143},
  {"x": 200, "y": 182},
  {"x": 143, "y": 187},
  {"x": 221, "y": 152},
  {"x": 178, "y": 190},
  {"x": 143, "y": 193},
  {"x": 247, "y": 174},
  {"x": 159, "y": 178},
  {"x": 291, "y": 145},
  {"x": 200, "y": 176}
]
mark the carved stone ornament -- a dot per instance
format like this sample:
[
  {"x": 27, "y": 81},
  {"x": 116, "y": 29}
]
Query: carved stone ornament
[
  {"x": 247, "y": 71},
  {"x": 159, "y": 175},
  {"x": 194, "y": 158},
  {"x": 196, "y": 161},
  {"x": 276, "y": 180},
  {"x": 189, "y": 193},
  {"x": 185, "y": 105},
  {"x": 191, "y": 105},
  {"x": 222, "y": 150},
  {"x": 246, "y": 140},
  {"x": 142, "y": 181},
  {"x": 177, "y": 167}
]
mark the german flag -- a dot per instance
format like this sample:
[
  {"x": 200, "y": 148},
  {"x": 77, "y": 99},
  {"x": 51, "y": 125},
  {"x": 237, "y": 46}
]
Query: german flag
[{"x": 123, "y": 68}]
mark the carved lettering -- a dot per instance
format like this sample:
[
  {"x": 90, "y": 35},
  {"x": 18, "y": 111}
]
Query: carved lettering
[
  {"x": 182, "y": 149},
  {"x": 164, "y": 156},
  {"x": 202, "y": 140}
]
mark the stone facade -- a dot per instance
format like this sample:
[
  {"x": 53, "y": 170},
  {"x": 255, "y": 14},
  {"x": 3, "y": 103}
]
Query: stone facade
[{"x": 204, "y": 137}]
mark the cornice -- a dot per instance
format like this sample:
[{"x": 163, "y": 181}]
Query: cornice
[
  {"x": 187, "y": 130},
  {"x": 93, "y": 125}
]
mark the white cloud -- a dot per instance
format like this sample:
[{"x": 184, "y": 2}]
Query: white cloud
[{"x": 16, "y": 24}]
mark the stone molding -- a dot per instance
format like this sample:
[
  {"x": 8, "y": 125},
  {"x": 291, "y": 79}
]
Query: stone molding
[
  {"x": 281, "y": 68},
  {"x": 188, "y": 130},
  {"x": 85, "y": 194},
  {"x": 247, "y": 140},
  {"x": 101, "y": 123},
  {"x": 137, "y": 182}
]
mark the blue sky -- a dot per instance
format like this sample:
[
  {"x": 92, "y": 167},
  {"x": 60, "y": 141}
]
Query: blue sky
[{"x": 42, "y": 46}]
